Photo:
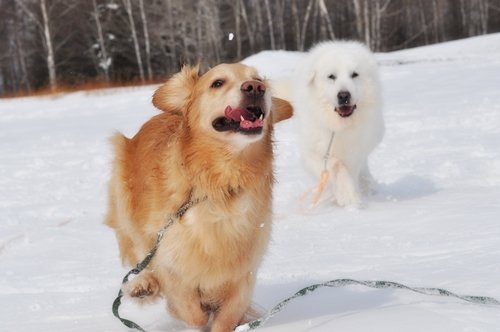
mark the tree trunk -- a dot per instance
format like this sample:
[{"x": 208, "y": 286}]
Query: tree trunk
[
  {"x": 377, "y": 28},
  {"x": 359, "y": 18},
  {"x": 51, "y": 65},
  {"x": 146, "y": 39},
  {"x": 423, "y": 21},
  {"x": 270, "y": 24},
  {"x": 280, "y": 12},
  {"x": 366, "y": 23},
  {"x": 304, "y": 27},
  {"x": 249, "y": 29},
  {"x": 103, "y": 61},
  {"x": 484, "y": 16},
  {"x": 237, "y": 32},
  {"x": 295, "y": 14},
  {"x": 128, "y": 8},
  {"x": 199, "y": 29},
  {"x": 326, "y": 16},
  {"x": 19, "y": 28},
  {"x": 261, "y": 42},
  {"x": 315, "y": 21},
  {"x": 171, "y": 33}
]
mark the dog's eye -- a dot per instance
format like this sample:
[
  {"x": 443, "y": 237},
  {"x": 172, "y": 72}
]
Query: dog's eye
[
  {"x": 354, "y": 75},
  {"x": 332, "y": 77},
  {"x": 217, "y": 84}
]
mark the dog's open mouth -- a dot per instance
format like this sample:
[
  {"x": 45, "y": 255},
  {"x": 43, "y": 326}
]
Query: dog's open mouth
[
  {"x": 345, "y": 110},
  {"x": 248, "y": 120}
]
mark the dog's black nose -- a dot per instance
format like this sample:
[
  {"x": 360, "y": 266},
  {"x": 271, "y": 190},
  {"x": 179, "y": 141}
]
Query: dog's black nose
[
  {"x": 344, "y": 97},
  {"x": 253, "y": 89}
]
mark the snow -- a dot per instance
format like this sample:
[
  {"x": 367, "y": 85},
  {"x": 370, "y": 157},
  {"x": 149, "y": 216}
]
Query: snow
[{"x": 434, "y": 221}]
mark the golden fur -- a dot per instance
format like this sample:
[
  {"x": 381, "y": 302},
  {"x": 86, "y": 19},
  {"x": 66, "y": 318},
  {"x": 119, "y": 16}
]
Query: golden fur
[{"x": 207, "y": 261}]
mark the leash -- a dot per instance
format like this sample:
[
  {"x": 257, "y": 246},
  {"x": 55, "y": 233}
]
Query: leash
[
  {"x": 325, "y": 174},
  {"x": 170, "y": 220},
  {"x": 381, "y": 284}
]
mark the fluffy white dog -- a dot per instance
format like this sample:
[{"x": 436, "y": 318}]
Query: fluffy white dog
[{"x": 338, "y": 106}]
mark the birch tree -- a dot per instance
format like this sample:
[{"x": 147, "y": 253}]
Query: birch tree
[
  {"x": 474, "y": 16},
  {"x": 128, "y": 8},
  {"x": 104, "y": 60},
  {"x": 146, "y": 39},
  {"x": 296, "y": 21},
  {"x": 270, "y": 24},
  {"x": 326, "y": 18},
  {"x": 44, "y": 26},
  {"x": 304, "y": 25}
]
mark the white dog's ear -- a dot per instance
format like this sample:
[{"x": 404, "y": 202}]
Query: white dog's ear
[{"x": 174, "y": 94}]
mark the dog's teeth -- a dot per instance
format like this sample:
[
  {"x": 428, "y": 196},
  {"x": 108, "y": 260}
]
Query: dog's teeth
[
  {"x": 242, "y": 118},
  {"x": 261, "y": 117}
]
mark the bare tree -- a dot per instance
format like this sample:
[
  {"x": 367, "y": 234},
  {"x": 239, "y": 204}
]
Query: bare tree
[
  {"x": 280, "y": 22},
  {"x": 128, "y": 8},
  {"x": 304, "y": 26},
  {"x": 474, "y": 15},
  {"x": 146, "y": 39},
  {"x": 20, "y": 50},
  {"x": 270, "y": 24},
  {"x": 171, "y": 30},
  {"x": 51, "y": 64},
  {"x": 248, "y": 27},
  {"x": 296, "y": 20},
  {"x": 380, "y": 9},
  {"x": 326, "y": 17},
  {"x": 237, "y": 22},
  {"x": 359, "y": 17},
  {"x": 44, "y": 25},
  {"x": 104, "y": 60}
]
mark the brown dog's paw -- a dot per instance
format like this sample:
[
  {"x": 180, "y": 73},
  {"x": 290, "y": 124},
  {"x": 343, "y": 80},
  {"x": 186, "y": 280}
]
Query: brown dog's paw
[
  {"x": 142, "y": 292},
  {"x": 144, "y": 288}
]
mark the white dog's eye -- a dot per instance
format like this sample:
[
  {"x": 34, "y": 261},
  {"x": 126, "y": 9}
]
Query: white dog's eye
[
  {"x": 332, "y": 77},
  {"x": 354, "y": 75},
  {"x": 217, "y": 84}
]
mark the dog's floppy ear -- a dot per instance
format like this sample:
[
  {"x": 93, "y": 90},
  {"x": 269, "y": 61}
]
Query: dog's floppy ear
[
  {"x": 174, "y": 94},
  {"x": 281, "y": 110}
]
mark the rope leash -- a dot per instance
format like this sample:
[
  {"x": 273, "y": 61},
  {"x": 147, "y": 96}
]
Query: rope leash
[
  {"x": 380, "y": 284},
  {"x": 325, "y": 174},
  {"x": 145, "y": 262}
]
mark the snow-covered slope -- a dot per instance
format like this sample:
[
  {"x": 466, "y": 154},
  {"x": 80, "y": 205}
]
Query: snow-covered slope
[{"x": 435, "y": 220}]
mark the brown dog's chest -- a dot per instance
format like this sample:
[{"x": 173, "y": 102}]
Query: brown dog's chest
[{"x": 224, "y": 241}]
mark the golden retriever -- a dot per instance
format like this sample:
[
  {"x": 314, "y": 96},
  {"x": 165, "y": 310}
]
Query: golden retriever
[{"x": 213, "y": 141}]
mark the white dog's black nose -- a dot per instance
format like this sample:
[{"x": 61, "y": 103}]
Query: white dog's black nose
[
  {"x": 344, "y": 98},
  {"x": 253, "y": 89}
]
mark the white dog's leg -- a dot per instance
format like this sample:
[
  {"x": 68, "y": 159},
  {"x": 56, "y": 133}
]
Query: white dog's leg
[
  {"x": 346, "y": 192},
  {"x": 366, "y": 181}
]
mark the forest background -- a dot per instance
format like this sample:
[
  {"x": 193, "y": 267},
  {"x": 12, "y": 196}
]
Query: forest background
[{"x": 49, "y": 45}]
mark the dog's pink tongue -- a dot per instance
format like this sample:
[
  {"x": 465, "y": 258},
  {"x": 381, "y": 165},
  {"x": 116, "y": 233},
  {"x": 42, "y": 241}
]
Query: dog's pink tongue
[
  {"x": 241, "y": 115},
  {"x": 235, "y": 114}
]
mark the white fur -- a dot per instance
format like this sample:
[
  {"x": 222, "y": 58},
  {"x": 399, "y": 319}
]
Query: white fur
[{"x": 355, "y": 137}]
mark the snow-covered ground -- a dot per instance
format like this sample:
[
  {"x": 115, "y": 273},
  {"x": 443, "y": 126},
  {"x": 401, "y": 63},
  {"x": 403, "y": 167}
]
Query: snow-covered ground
[{"x": 434, "y": 222}]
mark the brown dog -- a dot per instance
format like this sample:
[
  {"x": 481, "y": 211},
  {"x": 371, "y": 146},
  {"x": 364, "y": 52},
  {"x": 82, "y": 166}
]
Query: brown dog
[{"x": 213, "y": 141}]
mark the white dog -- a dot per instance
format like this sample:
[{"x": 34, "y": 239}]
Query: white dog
[{"x": 338, "y": 106}]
